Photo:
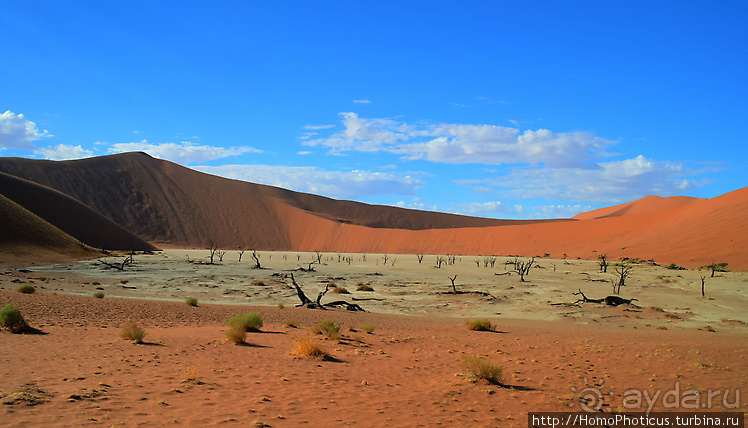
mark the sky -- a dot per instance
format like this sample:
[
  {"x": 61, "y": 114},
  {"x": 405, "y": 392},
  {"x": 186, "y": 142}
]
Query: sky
[{"x": 519, "y": 110}]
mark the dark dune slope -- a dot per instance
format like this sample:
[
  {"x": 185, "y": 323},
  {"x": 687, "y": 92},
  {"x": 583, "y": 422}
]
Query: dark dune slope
[{"x": 70, "y": 216}]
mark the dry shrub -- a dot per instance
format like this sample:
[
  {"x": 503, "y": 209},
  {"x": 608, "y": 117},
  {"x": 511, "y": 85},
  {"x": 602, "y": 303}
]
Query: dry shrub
[
  {"x": 480, "y": 368},
  {"x": 339, "y": 290},
  {"x": 673, "y": 316},
  {"x": 656, "y": 309},
  {"x": 481, "y": 325},
  {"x": 190, "y": 375},
  {"x": 11, "y": 318},
  {"x": 191, "y": 301},
  {"x": 369, "y": 328},
  {"x": 236, "y": 334},
  {"x": 308, "y": 347},
  {"x": 281, "y": 306},
  {"x": 259, "y": 283},
  {"x": 291, "y": 323},
  {"x": 132, "y": 332},
  {"x": 363, "y": 287}
]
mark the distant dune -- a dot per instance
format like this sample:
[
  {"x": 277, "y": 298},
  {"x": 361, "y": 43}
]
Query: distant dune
[{"x": 172, "y": 206}]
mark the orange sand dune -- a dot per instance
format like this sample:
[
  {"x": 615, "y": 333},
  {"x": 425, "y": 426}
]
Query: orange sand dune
[{"x": 174, "y": 206}]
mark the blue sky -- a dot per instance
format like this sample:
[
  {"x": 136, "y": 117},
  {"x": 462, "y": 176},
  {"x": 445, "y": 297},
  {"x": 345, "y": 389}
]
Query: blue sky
[{"x": 532, "y": 109}]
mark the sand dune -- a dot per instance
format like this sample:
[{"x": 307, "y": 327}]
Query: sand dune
[{"x": 173, "y": 206}]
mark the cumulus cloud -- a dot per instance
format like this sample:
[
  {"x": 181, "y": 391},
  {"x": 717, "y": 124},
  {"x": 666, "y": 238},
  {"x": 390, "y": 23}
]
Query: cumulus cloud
[
  {"x": 184, "y": 153},
  {"x": 334, "y": 184},
  {"x": 316, "y": 127},
  {"x": 361, "y": 101},
  {"x": 63, "y": 152},
  {"x": 465, "y": 143},
  {"x": 16, "y": 132},
  {"x": 610, "y": 182}
]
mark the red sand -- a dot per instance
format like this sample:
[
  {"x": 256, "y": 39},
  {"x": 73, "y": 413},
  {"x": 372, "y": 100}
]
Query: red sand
[{"x": 407, "y": 373}]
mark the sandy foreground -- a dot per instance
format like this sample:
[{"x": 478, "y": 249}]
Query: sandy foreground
[{"x": 408, "y": 372}]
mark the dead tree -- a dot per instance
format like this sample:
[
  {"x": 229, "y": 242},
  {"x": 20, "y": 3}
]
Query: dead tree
[
  {"x": 118, "y": 266},
  {"x": 454, "y": 289},
  {"x": 319, "y": 256},
  {"x": 420, "y": 258},
  {"x": 241, "y": 253},
  {"x": 220, "y": 254},
  {"x": 451, "y": 258},
  {"x": 307, "y": 269},
  {"x": 604, "y": 263},
  {"x": 439, "y": 262},
  {"x": 213, "y": 249},
  {"x": 308, "y": 303},
  {"x": 702, "y": 286},
  {"x": 385, "y": 257},
  {"x": 256, "y": 258},
  {"x": 609, "y": 300},
  {"x": 622, "y": 272},
  {"x": 523, "y": 267}
]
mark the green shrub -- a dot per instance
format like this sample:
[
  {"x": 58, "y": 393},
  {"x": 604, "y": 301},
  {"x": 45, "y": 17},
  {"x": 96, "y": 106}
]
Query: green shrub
[
  {"x": 673, "y": 266},
  {"x": 236, "y": 334},
  {"x": 328, "y": 328},
  {"x": 481, "y": 325},
  {"x": 251, "y": 321},
  {"x": 281, "y": 306},
  {"x": 191, "y": 301},
  {"x": 369, "y": 328},
  {"x": 98, "y": 295},
  {"x": 26, "y": 289},
  {"x": 480, "y": 368},
  {"x": 132, "y": 332},
  {"x": 11, "y": 318}
]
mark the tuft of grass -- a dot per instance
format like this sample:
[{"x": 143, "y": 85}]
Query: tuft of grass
[
  {"x": 308, "y": 347},
  {"x": 369, "y": 328},
  {"x": 98, "y": 295},
  {"x": 339, "y": 290},
  {"x": 480, "y": 368},
  {"x": 363, "y": 287},
  {"x": 132, "y": 332},
  {"x": 236, "y": 334},
  {"x": 12, "y": 319},
  {"x": 251, "y": 321},
  {"x": 26, "y": 289},
  {"x": 291, "y": 323},
  {"x": 673, "y": 316},
  {"x": 481, "y": 325},
  {"x": 281, "y": 306},
  {"x": 191, "y": 301},
  {"x": 191, "y": 375},
  {"x": 328, "y": 328}
]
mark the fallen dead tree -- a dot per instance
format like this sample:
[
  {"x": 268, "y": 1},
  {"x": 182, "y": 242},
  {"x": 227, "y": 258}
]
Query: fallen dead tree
[
  {"x": 308, "y": 303},
  {"x": 608, "y": 300},
  {"x": 119, "y": 266}
]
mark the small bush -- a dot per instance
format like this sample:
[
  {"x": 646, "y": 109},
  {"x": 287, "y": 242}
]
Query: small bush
[
  {"x": 191, "y": 301},
  {"x": 191, "y": 375},
  {"x": 673, "y": 266},
  {"x": 251, "y": 321},
  {"x": 308, "y": 347},
  {"x": 369, "y": 328},
  {"x": 480, "y": 368},
  {"x": 281, "y": 306},
  {"x": 258, "y": 283},
  {"x": 339, "y": 290},
  {"x": 656, "y": 309},
  {"x": 363, "y": 287},
  {"x": 132, "y": 332},
  {"x": 236, "y": 334},
  {"x": 291, "y": 323},
  {"x": 481, "y": 325},
  {"x": 328, "y": 328},
  {"x": 11, "y": 318},
  {"x": 26, "y": 289},
  {"x": 98, "y": 295},
  {"x": 673, "y": 316}
]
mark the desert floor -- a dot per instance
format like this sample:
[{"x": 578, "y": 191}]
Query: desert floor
[{"x": 556, "y": 356}]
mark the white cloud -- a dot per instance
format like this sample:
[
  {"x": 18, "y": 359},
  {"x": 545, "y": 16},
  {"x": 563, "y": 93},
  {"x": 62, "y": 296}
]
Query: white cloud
[
  {"x": 361, "y": 101},
  {"x": 18, "y": 133},
  {"x": 182, "y": 153},
  {"x": 63, "y": 152},
  {"x": 334, "y": 184},
  {"x": 609, "y": 182},
  {"x": 316, "y": 127},
  {"x": 493, "y": 209},
  {"x": 465, "y": 143}
]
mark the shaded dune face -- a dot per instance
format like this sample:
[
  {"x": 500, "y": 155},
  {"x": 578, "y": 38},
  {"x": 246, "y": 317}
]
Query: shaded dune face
[{"x": 172, "y": 206}]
